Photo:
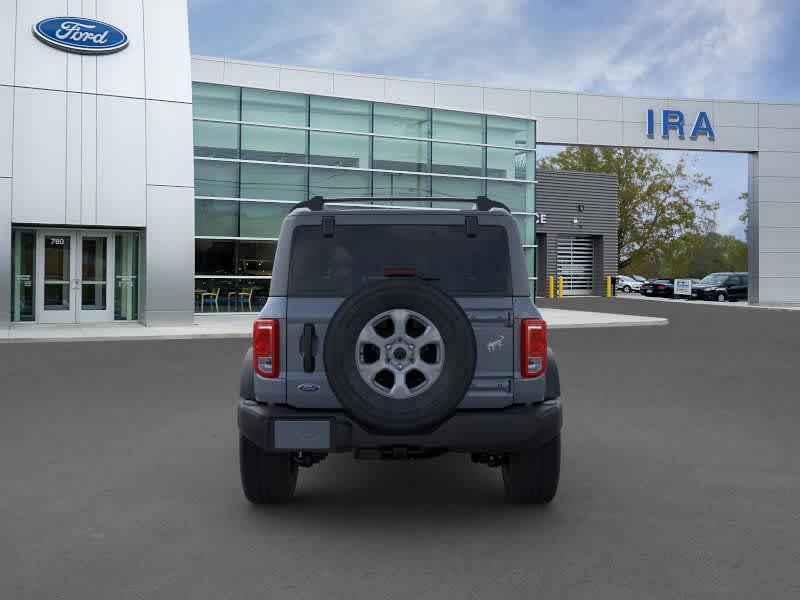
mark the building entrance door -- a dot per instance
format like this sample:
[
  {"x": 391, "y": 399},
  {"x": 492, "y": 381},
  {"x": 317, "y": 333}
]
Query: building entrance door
[
  {"x": 576, "y": 264},
  {"x": 74, "y": 272}
]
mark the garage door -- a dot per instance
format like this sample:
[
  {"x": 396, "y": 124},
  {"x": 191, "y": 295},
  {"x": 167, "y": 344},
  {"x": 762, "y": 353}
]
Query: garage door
[{"x": 576, "y": 264}]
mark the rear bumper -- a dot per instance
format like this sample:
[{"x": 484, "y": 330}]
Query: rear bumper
[{"x": 281, "y": 428}]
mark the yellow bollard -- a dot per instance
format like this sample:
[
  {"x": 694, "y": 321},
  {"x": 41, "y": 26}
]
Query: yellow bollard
[
  {"x": 608, "y": 287},
  {"x": 551, "y": 287},
  {"x": 561, "y": 286}
]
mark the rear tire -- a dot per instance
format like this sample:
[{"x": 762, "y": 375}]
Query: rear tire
[
  {"x": 627, "y": 289},
  {"x": 722, "y": 297},
  {"x": 531, "y": 476},
  {"x": 267, "y": 478}
]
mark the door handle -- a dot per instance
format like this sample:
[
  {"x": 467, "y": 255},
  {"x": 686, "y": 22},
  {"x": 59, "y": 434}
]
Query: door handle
[{"x": 308, "y": 347}]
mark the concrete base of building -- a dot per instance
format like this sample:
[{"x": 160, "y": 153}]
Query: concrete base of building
[{"x": 239, "y": 326}]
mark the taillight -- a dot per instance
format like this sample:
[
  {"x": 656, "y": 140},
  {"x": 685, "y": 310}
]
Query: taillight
[
  {"x": 266, "y": 348},
  {"x": 533, "y": 348},
  {"x": 661, "y": 287}
]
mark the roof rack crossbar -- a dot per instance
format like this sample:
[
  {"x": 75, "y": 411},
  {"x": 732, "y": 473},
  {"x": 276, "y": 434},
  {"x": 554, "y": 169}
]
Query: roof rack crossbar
[{"x": 482, "y": 203}]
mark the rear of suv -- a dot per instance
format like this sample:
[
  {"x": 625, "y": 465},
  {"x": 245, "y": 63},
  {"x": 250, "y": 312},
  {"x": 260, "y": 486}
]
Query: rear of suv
[{"x": 399, "y": 333}]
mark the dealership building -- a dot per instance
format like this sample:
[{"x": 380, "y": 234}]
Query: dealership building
[{"x": 139, "y": 183}]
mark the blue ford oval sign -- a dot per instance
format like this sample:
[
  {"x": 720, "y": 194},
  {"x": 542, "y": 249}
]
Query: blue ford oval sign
[{"x": 84, "y": 36}]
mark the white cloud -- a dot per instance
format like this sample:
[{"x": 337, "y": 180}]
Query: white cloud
[{"x": 687, "y": 47}]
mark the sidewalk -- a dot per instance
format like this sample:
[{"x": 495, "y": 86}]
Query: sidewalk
[
  {"x": 239, "y": 326},
  {"x": 737, "y": 304}
]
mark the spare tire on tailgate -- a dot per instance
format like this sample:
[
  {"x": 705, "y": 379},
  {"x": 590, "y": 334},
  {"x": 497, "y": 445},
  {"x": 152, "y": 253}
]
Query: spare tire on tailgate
[{"x": 400, "y": 356}]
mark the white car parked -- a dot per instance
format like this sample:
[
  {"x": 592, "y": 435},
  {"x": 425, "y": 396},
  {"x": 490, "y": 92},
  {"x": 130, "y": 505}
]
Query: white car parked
[{"x": 628, "y": 284}]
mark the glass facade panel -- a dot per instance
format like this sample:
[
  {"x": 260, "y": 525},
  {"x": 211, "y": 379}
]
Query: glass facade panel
[
  {"x": 23, "y": 261},
  {"x": 393, "y": 185},
  {"x": 406, "y": 121},
  {"x": 215, "y": 257},
  {"x": 525, "y": 225},
  {"x": 509, "y": 164},
  {"x": 261, "y": 219},
  {"x": 230, "y": 295},
  {"x": 458, "y": 126},
  {"x": 339, "y": 183},
  {"x": 517, "y": 196},
  {"x": 216, "y": 218},
  {"x": 457, "y": 159},
  {"x": 506, "y": 131},
  {"x": 273, "y": 182},
  {"x": 212, "y": 295},
  {"x": 280, "y": 108},
  {"x": 256, "y": 258},
  {"x": 400, "y": 155},
  {"x": 359, "y": 166},
  {"x": 216, "y": 178},
  {"x": 126, "y": 276},
  {"x": 212, "y": 101},
  {"x": 218, "y": 140},
  {"x": 339, "y": 150},
  {"x": 273, "y": 144},
  {"x": 337, "y": 113},
  {"x": 452, "y": 187}
]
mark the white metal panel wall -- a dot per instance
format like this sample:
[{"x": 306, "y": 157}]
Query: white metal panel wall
[
  {"x": 8, "y": 25},
  {"x": 6, "y": 128},
  {"x": 37, "y": 65},
  {"x": 121, "y": 73},
  {"x": 121, "y": 162},
  {"x": 167, "y": 58},
  {"x": 169, "y": 144},
  {"x": 170, "y": 242},
  {"x": 39, "y": 156}
]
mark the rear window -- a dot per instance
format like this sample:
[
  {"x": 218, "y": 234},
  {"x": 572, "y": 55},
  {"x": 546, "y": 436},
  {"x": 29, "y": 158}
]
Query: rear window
[{"x": 359, "y": 254}]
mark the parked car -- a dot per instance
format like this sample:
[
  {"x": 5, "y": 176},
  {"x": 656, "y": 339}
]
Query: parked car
[
  {"x": 627, "y": 284},
  {"x": 397, "y": 334},
  {"x": 663, "y": 288},
  {"x": 722, "y": 287}
]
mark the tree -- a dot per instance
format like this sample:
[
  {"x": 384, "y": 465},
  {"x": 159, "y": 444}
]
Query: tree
[{"x": 659, "y": 202}]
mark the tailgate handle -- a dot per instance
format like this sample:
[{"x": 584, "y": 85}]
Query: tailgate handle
[
  {"x": 506, "y": 319},
  {"x": 308, "y": 347}
]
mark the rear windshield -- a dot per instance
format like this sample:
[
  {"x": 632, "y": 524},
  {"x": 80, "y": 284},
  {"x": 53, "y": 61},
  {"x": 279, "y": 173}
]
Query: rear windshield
[{"x": 359, "y": 254}]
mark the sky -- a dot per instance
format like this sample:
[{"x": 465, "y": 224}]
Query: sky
[{"x": 732, "y": 49}]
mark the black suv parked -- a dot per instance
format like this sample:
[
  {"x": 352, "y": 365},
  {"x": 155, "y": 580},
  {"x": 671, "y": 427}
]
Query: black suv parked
[
  {"x": 399, "y": 334},
  {"x": 722, "y": 287}
]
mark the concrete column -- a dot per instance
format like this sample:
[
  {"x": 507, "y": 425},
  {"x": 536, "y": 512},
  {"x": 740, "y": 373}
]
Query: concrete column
[{"x": 774, "y": 229}]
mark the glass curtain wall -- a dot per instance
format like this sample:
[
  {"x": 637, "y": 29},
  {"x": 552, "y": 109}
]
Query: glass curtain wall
[{"x": 258, "y": 152}]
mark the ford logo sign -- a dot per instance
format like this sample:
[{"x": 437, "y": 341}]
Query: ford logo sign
[
  {"x": 84, "y": 36},
  {"x": 308, "y": 387}
]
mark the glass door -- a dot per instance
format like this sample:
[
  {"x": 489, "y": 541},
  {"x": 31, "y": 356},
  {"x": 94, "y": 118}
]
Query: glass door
[
  {"x": 55, "y": 277},
  {"x": 95, "y": 275},
  {"x": 74, "y": 275}
]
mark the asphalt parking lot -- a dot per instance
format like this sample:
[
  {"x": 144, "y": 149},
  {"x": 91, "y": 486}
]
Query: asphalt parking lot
[{"x": 681, "y": 479}]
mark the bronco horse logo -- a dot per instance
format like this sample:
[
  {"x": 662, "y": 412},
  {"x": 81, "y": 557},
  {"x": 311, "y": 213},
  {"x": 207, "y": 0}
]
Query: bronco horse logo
[{"x": 495, "y": 345}]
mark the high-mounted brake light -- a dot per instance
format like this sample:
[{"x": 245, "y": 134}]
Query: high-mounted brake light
[
  {"x": 266, "y": 348},
  {"x": 533, "y": 348}
]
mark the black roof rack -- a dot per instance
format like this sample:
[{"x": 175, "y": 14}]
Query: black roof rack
[{"x": 482, "y": 203}]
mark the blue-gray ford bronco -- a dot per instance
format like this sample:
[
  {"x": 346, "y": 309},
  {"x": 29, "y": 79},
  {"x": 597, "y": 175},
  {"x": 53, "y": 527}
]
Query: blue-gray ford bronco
[{"x": 396, "y": 334}]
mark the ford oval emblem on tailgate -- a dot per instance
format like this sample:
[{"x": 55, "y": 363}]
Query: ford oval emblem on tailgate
[{"x": 308, "y": 387}]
